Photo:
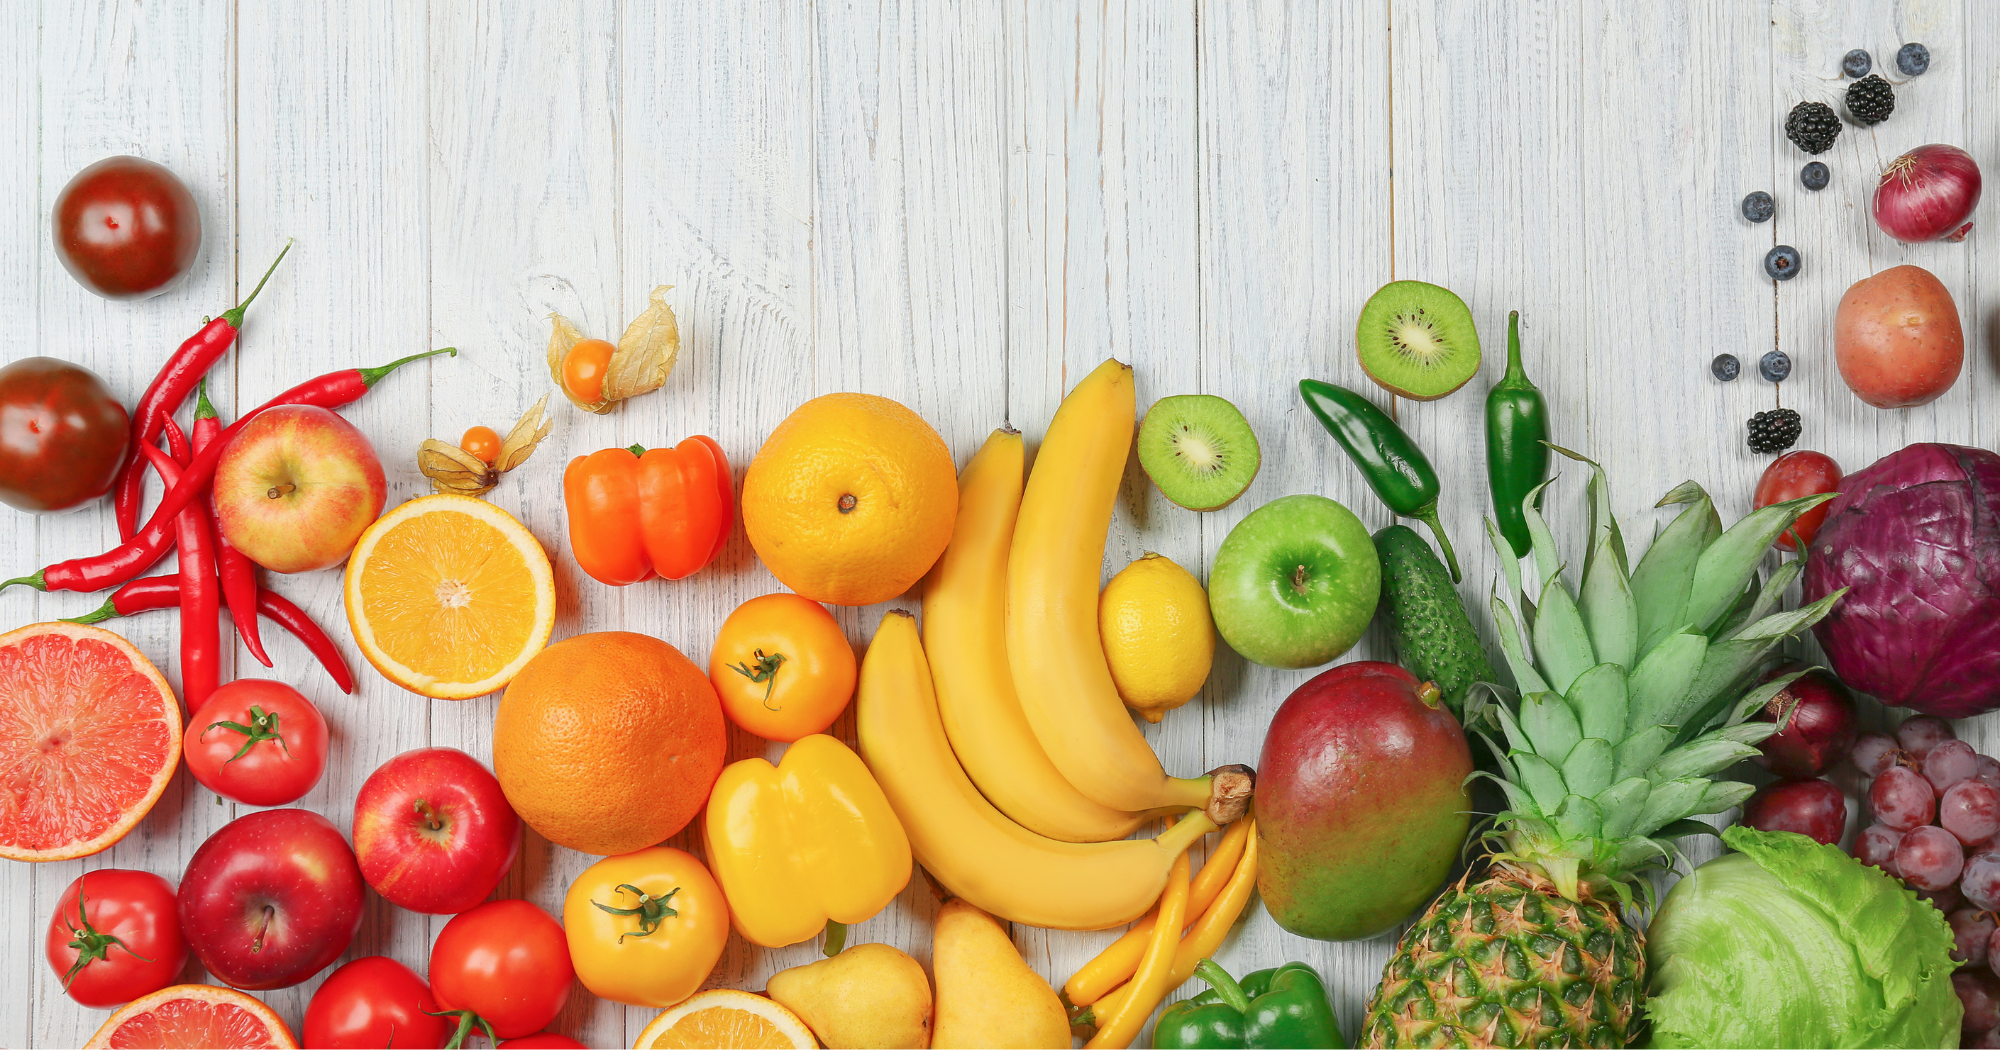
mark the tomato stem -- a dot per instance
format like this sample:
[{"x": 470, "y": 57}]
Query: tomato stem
[
  {"x": 90, "y": 945},
  {"x": 263, "y": 726},
  {"x": 766, "y": 672},
  {"x": 651, "y": 910},
  {"x": 466, "y": 1019}
]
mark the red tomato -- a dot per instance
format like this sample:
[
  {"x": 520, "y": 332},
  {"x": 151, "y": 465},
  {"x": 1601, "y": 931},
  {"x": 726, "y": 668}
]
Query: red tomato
[
  {"x": 257, "y": 742},
  {"x": 507, "y": 962},
  {"x": 1794, "y": 474},
  {"x": 116, "y": 936},
  {"x": 127, "y": 228},
  {"x": 542, "y": 1041},
  {"x": 375, "y": 1001}
]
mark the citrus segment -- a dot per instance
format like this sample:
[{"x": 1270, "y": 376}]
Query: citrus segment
[
  {"x": 90, "y": 734},
  {"x": 195, "y": 1015},
  {"x": 724, "y": 1017},
  {"x": 449, "y": 596},
  {"x": 851, "y": 499}
]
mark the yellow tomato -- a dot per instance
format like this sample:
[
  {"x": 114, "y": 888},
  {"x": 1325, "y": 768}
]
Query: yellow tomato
[
  {"x": 782, "y": 666},
  {"x": 645, "y": 928}
]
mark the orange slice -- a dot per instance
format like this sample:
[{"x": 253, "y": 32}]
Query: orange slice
[
  {"x": 89, "y": 736},
  {"x": 194, "y": 1015},
  {"x": 449, "y": 596},
  {"x": 725, "y": 1017}
]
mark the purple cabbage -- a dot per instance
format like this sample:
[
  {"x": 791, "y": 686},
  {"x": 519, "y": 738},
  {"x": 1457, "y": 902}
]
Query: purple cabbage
[{"x": 1915, "y": 539}]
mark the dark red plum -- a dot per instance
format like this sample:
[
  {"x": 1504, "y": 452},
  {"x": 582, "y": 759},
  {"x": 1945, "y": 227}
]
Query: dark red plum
[{"x": 1813, "y": 808}]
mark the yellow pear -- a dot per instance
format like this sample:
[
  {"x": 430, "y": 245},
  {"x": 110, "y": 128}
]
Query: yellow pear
[
  {"x": 986, "y": 994},
  {"x": 869, "y": 996}
]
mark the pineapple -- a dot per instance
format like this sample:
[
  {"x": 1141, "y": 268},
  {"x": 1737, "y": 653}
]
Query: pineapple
[{"x": 1634, "y": 690}]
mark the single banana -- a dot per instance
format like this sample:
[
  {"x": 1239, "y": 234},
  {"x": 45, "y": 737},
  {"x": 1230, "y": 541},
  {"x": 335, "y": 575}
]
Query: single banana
[
  {"x": 965, "y": 633},
  {"x": 971, "y": 847},
  {"x": 1053, "y": 571}
]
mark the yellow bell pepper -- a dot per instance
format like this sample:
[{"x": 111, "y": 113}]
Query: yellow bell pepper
[{"x": 802, "y": 843}]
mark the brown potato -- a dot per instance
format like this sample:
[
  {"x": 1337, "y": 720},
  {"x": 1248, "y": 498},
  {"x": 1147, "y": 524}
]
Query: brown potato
[{"x": 1897, "y": 338}]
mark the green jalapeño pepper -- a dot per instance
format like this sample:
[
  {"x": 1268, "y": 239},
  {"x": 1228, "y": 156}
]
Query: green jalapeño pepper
[
  {"x": 1395, "y": 467},
  {"x": 1517, "y": 424},
  {"x": 1285, "y": 1006}
]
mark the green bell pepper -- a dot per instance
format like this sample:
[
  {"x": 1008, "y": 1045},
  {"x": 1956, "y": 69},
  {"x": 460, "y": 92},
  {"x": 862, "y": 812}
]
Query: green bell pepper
[{"x": 1281, "y": 1007}]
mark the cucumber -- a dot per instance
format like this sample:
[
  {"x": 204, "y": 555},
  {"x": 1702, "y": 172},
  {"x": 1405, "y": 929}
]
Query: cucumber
[{"x": 1428, "y": 626}]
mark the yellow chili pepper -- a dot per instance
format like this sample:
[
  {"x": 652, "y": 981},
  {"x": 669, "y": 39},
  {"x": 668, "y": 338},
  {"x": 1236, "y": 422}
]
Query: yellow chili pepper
[
  {"x": 1116, "y": 963},
  {"x": 802, "y": 843},
  {"x": 1207, "y": 933},
  {"x": 1122, "y": 1024}
]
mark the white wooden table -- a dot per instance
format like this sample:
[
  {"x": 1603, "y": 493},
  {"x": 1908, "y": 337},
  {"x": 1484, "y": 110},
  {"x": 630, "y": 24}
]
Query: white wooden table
[{"x": 963, "y": 206}]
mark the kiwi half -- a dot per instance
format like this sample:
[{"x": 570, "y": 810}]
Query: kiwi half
[
  {"x": 1199, "y": 450},
  {"x": 1417, "y": 340}
]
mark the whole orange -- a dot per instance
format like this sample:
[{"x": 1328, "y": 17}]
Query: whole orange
[
  {"x": 608, "y": 742},
  {"x": 851, "y": 499}
]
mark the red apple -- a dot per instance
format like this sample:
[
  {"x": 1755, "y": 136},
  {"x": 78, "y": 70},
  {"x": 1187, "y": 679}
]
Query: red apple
[
  {"x": 1897, "y": 339},
  {"x": 271, "y": 899},
  {"x": 434, "y": 831},
  {"x": 296, "y": 487}
]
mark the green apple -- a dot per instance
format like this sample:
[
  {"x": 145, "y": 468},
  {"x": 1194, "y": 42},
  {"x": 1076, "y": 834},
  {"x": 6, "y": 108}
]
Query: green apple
[{"x": 1295, "y": 582}]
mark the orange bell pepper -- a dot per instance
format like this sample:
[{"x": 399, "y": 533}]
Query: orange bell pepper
[
  {"x": 808, "y": 841},
  {"x": 636, "y": 513}
]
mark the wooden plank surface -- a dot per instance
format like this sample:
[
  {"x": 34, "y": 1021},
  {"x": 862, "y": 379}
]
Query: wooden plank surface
[{"x": 964, "y": 208}]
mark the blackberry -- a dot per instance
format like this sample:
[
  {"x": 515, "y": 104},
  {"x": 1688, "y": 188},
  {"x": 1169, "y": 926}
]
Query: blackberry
[
  {"x": 1773, "y": 431},
  {"x": 1913, "y": 60},
  {"x": 1759, "y": 207},
  {"x": 1725, "y": 367},
  {"x": 1775, "y": 366},
  {"x": 1782, "y": 263},
  {"x": 1856, "y": 64},
  {"x": 1870, "y": 100},
  {"x": 1812, "y": 126},
  {"x": 1814, "y": 176}
]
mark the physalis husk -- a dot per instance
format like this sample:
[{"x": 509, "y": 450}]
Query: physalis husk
[
  {"x": 645, "y": 354},
  {"x": 452, "y": 469}
]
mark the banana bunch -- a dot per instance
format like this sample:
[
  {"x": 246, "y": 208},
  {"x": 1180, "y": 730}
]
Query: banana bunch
[{"x": 1014, "y": 798}]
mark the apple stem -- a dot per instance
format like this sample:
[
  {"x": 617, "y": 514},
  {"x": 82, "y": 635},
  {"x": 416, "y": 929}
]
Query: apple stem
[
  {"x": 1299, "y": 579},
  {"x": 430, "y": 816},
  {"x": 264, "y": 925},
  {"x": 285, "y": 489}
]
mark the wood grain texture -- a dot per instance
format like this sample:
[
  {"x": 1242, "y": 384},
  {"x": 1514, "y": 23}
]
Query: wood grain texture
[{"x": 965, "y": 208}]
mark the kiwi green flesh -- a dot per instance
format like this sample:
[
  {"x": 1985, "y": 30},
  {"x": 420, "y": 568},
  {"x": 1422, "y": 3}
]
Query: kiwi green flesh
[
  {"x": 1417, "y": 340},
  {"x": 1199, "y": 450}
]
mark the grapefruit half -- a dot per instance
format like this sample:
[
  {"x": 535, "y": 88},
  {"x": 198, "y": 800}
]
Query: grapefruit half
[
  {"x": 194, "y": 1015},
  {"x": 90, "y": 734}
]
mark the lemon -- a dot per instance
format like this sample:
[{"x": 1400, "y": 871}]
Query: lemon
[{"x": 1158, "y": 638}]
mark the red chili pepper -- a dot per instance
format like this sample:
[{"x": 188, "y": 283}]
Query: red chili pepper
[
  {"x": 177, "y": 445},
  {"x": 139, "y": 553},
  {"x": 239, "y": 577},
  {"x": 163, "y": 397},
  {"x": 201, "y": 641},
  {"x": 164, "y": 592}
]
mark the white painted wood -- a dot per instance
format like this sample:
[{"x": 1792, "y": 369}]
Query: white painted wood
[
  {"x": 334, "y": 147},
  {"x": 965, "y": 209}
]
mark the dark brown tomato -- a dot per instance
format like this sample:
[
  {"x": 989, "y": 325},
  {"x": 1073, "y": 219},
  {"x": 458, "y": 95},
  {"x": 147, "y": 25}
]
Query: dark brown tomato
[
  {"x": 127, "y": 228},
  {"x": 62, "y": 435}
]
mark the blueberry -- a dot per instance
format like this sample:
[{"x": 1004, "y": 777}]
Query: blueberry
[
  {"x": 1913, "y": 60},
  {"x": 1814, "y": 176},
  {"x": 1782, "y": 262},
  {"x": 1759, "y": 207},
  {"x": 1857, "y": 64},
  {"x": 1725, "y": 367},
  {"x": 1774, "y": 366}
]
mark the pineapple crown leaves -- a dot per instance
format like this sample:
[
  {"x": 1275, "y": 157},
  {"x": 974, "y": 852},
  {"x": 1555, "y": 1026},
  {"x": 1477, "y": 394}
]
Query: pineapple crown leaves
[{"x": 1634, "y": 689}]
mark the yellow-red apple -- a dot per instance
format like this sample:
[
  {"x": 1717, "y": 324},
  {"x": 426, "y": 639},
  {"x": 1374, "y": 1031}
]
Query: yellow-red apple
[{"x": 296, "y": 487}]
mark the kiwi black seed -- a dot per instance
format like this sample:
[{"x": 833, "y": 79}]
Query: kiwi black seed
[
  {"x": 1417, "y": 340},
  {"x": 1199, "y": 450}
]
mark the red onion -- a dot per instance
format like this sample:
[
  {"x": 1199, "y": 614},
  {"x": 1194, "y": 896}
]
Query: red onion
[
  {"x": 1818, "y": 719},
  {"x": 1928, "y": 194}
]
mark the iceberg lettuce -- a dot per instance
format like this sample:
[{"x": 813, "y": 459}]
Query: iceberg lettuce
[{"x": 1790, "y": 943}]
